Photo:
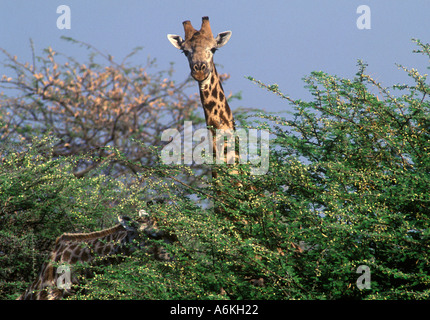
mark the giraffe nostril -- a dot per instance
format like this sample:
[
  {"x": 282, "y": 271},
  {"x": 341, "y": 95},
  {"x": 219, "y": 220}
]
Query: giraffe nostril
[{"x": 201, "y": 66}]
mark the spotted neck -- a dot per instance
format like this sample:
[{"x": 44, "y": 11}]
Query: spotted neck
[{"x": 217, "y": 111}]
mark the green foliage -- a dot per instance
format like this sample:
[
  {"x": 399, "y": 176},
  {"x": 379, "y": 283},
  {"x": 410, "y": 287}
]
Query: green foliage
[
  {"x": 347, "y": 186},
  {"x": 40, "y": 199},
  {"x": 357, "y": 172}
]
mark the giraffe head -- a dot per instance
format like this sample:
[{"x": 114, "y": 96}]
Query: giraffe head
[
  {"x": 199, "y": 47},
  {"x": 143, "y": 225}
]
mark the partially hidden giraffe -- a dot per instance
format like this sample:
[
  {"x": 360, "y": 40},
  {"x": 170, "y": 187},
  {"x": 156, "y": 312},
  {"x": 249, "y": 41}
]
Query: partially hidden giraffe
[
  {"x": 199, "y": 47},
  {"x": 104, "y": 246}
]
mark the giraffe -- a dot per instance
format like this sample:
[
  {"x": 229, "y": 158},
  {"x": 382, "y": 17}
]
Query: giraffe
[
  {"x": 199, "y": 47},
  {"x": 101, "y": 246}
]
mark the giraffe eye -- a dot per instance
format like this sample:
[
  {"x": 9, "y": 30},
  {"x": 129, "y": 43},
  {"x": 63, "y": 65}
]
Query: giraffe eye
[
  {"x": 186, "y": 52},
  {"x": 213, "y": 50}
]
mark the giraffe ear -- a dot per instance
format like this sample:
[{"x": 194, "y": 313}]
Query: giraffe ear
[
  {"x": 175, "y": 40},
  {"x": 222, "y": 38},
  {"x": 143, "y": 213}
]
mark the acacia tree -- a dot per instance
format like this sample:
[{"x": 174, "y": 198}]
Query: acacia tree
[
  {"x": 347, "y": 187},
  {"x": 92, "y": 106},
  {"x": 351, "y": 179},
  {"x": 61, "y": 120}
]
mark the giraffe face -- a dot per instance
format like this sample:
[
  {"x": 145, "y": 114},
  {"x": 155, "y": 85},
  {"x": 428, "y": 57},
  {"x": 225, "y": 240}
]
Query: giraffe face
[
  {"x": 143, "y": 228},
  {"x": 199, "y": 47},
  {"x": 142, "y": 225}
]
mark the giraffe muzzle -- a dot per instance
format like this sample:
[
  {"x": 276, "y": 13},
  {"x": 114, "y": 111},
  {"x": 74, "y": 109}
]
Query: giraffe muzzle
[{"x": 200, "y": 71}]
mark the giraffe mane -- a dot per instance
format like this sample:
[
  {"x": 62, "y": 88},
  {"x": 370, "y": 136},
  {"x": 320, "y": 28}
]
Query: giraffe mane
[{"x": 89, "y": 236}]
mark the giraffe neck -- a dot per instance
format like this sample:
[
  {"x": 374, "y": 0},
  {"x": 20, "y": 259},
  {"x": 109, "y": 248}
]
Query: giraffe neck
[
  {"x": 98, "y": 247},
  {"x": 71, "y": 249},
  {"x": 218, "y": 116},
  {"x": 217, "y": 111}
]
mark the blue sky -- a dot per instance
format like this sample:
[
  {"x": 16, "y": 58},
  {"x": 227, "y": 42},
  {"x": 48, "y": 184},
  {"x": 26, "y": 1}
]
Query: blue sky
[{"x": 274, "y": 41}]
